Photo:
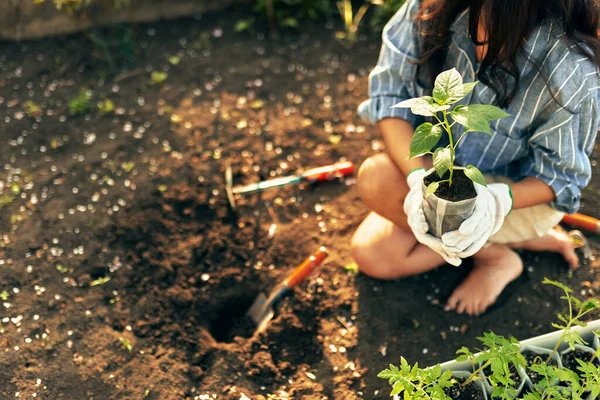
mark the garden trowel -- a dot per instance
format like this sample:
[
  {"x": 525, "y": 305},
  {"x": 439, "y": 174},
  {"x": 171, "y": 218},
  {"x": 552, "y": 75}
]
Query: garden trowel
[
  {"x": 320, "y": 174},
  {"x": 263, "y": 309}
]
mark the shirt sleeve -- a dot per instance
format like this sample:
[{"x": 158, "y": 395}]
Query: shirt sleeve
[
  {"x": 393, "y": 79},
  {"x": 560, "y": 150}
]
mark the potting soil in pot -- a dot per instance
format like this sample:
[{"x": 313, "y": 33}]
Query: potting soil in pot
[
  {"x": 569, "y": 359},
  {"x": 460, "y": 392},
  {"x": 534, "y": 358},
  {"x": 462, "y": 187}
]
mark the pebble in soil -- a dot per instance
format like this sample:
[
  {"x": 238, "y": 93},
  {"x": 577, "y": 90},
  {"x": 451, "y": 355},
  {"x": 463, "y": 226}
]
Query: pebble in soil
[
  {"x": 460, "y": 391},
  {"x": 534, "y": 358}
]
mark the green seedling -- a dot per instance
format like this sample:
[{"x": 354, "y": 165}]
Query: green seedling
[
  {"x": 351, "y": 269},
  {"x": 158, "y": 77},
  {"x": 351, "y": 21},
  {"x": 82, "y": 103},
  {"x": 442, "y": 108},
  {"x": 100, "y": 281},
  {"x": 126, "y": 344},
  {"x": 32, "y": 109},
  {"x": 577, "y": 310},
  {"x": 417, "y": 383},
  {"x": 4, "y": 295},
  {"x": 62, "y": 269},
  {"x": 6, "y": 199},
  {"x": 106, "y": 107},
  {"x": 174, "y": 60},
  {"x": 496, "y": 359},
  {"x": 244, "y": 25}
]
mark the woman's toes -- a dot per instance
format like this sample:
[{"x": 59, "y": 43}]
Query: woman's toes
[{"x": 461, "y": 308}]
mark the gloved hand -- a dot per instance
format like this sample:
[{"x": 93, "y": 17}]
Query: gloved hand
[
  {"x": 493, "y": 204},
  {"x": 413, "y": 208}
]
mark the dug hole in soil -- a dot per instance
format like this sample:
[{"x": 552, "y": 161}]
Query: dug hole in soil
[{"x": 127, "y": 276}]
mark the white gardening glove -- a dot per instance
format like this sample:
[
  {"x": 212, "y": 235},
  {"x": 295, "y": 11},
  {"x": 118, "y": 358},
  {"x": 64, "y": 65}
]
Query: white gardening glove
[
  {"x": 413, "y": 208},
  {"x": 493, "y": 204}
]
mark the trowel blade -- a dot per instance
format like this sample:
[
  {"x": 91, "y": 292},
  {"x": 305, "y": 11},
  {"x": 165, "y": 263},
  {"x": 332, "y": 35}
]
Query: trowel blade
[{"x": 259, "y": 309}]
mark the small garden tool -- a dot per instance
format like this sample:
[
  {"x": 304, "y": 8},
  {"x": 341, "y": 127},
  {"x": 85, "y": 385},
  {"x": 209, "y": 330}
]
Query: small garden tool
[
  {"x": 263, "y": 309},
  {"x": 582, "y": 221},
  {"x": 326, "y": 173}
]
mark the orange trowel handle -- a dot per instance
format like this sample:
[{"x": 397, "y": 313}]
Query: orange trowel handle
[
  {"x": 306, "y": 268},
  {"x": 581, "y": 221}
]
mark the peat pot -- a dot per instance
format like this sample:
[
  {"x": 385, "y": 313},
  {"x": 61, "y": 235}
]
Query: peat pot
[{"x": 444, "y": 215}]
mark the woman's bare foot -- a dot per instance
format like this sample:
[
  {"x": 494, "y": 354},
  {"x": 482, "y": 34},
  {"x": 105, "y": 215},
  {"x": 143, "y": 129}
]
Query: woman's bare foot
[{"x": 495, "y": 267}]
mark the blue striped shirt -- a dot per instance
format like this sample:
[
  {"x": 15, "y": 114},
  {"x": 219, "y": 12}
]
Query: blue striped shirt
[{"x": 540, "y": 139}]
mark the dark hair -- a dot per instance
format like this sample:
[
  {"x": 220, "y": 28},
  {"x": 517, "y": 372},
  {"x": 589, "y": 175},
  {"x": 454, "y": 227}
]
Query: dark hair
[{"x": 507, "y": 22}]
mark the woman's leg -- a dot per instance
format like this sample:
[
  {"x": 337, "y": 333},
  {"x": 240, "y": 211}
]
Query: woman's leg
[{"x": 383, "y": 245}]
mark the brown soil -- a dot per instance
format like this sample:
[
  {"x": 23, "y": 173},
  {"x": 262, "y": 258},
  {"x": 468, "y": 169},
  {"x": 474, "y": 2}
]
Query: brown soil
[
  {"x": 137, "y": 197},
  {"x": 472, "y": 391},
  {"x": 462, "y": 187}
]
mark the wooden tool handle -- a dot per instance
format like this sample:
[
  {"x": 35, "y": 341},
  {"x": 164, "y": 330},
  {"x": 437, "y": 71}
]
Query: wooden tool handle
[
  {"x": 583, "y": 222},
  {"x": 306, "y": 268}
]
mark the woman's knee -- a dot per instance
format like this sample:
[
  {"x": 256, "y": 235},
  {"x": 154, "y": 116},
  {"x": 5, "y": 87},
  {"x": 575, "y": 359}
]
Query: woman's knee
[
  {"x": 377, "y": 177},
  {"x": 365, "y": 259}
]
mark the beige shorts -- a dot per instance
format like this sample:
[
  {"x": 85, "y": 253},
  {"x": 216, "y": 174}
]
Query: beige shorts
[{"x": 525, "y": 223}]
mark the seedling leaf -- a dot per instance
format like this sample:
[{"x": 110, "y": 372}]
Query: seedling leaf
[
  {"x": 468, "y": 87},
  {"x": 442, "y": 161},
  {"x": 431, "y": 189},
  {"x": 426, "y": 136},
  {"x": 425, "y": 106},
  {"x": 565, "y": 288},
  {"x": 126, "y": 344},
  {"x": 475, "y": 175},
  {"x": 158, "y": 77},
  {"x": 100, "y": 281},
  {"x": 491, "y": 113},
  {"x": 448, "y": 87},
  {"x": 468, "y": 117},
  {"x": 351, "y": 268}
]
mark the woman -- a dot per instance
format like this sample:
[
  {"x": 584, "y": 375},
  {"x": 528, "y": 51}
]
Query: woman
[{"x": 536, "y": 59}]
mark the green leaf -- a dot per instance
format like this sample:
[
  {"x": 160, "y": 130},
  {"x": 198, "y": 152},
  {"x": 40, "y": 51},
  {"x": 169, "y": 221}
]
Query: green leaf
[
  {"x": 100, "y": 281},
  {"x": 565, "y": 288},
  {"x": 448, "y": 87},
  {"x": 468, "y": 87},
  {"x": 62, "y": 269},
  {"x": 490, "y": 113},
  {"x": 425, "y": 106},
  {"x": 425, "y": 138},
  {"x": 157, "y": 77},
  {"x": 431, "y": 189},
  {"x": 590, "y": 305},
  {"x": 468, "y": 117},
  {"x": 442, "y": 161},
  {"x": 243, "y": 25},
  {"x": 126, "y": 344},
  {"x": 475, "y": 175}
]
